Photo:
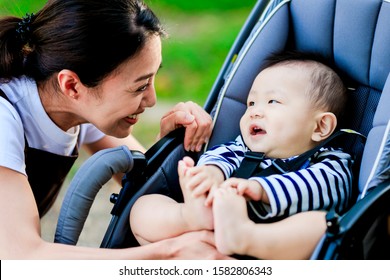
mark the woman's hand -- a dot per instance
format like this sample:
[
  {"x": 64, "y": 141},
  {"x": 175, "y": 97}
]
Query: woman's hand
[
  {"x": 193, "y": 245},
  {"x": 197, "y": 122}
]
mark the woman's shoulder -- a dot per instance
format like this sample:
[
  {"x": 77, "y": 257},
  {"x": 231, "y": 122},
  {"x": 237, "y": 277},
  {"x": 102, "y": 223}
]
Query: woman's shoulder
[
  {"x": 89, "y": 134},
  {"x": 9, "y": 115},
  {"x": 14, "y": 104},
  {"x": 12, "y": 137},
  {"x": 18, "y": 88}
]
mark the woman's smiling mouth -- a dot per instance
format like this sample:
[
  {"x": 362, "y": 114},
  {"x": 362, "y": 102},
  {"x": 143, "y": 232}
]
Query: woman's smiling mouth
[{"x": 132, "y": 119}]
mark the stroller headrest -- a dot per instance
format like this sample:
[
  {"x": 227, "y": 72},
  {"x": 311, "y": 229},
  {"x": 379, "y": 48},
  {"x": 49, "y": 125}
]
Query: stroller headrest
[{"x": 355, "y": 35}]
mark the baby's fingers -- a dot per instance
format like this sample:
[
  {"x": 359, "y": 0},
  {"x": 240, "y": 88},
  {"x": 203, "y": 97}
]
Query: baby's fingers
[
  {"x": 210, "y": 196},
  {"x": 201, "y": 189}
]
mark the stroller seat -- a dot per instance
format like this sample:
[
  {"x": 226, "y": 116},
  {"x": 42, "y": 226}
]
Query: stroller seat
[{"x": 354, "y": 36}]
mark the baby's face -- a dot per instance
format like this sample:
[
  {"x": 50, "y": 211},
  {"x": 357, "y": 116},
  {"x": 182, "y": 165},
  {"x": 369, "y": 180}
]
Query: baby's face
[{"x": 279, "y": 120}]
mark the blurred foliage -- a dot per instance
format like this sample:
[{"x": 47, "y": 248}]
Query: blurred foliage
[
  {"x": 200, "y": 36},
  {"x": 19, "y": 7},
  {"x": 202, "y": 5}
]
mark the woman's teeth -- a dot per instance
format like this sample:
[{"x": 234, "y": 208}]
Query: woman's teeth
[{"x": 132, "y": 116}]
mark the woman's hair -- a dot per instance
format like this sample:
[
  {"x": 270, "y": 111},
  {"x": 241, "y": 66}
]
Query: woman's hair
[
  {"x": 327, "y": 90},
  {"x": 90, "y": 37}
]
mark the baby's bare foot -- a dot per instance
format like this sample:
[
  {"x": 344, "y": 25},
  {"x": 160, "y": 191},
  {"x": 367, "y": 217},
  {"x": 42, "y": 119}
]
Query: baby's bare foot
[
  {"x": 230, "y": 222},
  {"x": 194, "y": 212}
]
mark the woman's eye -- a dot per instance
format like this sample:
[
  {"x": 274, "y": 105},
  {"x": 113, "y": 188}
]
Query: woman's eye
[
  {"x": 251, "y": 103},
  {"x": 143, "y": 88},
  {"x": 273, "y": 101}
]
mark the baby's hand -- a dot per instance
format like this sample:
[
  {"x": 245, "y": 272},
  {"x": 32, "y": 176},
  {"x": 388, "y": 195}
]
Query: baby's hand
[{"x": 251, "y": 189}]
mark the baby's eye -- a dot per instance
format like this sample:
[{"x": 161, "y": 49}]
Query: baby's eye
[
  {"x": 273, "y": 101},
  {"x": 251, "y": 103}
]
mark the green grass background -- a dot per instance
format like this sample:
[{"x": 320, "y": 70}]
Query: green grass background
[{"x": 200, "y": 32}]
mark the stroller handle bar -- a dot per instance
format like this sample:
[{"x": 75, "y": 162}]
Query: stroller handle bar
[{"x": 88, "y": 180}]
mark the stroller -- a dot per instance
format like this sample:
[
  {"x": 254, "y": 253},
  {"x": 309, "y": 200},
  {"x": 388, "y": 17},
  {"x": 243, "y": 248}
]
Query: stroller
[{"x": 352, "y": 34}]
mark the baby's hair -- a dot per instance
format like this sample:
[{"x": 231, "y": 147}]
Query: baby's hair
[{"x": 327, "y": 90}]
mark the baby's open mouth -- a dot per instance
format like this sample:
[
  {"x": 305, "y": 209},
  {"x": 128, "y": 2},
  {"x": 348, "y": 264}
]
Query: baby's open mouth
[{"x": 256, "y": 130}]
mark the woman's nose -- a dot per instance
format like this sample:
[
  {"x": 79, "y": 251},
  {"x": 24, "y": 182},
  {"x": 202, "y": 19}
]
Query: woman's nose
[{"x": 150, "y": 98}]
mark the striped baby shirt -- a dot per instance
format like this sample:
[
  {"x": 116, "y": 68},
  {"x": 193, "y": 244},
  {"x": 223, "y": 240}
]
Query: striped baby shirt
[{"x": 323, "y": 183}]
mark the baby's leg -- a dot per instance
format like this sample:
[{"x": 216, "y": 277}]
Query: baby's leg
[
  {"x": 155, "y": 217},
  {"x": 231, "y": 222},
  {"x": 195, "y": 213},
  {"x": 292, "y": 238}
]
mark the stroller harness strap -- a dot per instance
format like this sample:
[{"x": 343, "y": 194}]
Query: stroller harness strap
[{"x": 250, "y": 165}]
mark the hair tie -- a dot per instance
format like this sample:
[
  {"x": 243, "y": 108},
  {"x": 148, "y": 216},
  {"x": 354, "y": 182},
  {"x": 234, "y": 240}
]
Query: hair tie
[{"x": 24, "y": 30}]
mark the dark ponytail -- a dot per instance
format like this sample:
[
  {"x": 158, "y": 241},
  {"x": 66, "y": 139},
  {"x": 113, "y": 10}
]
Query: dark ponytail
[
  {"x": 11, "y": 49},
  {"x": 90, "y": 37}
]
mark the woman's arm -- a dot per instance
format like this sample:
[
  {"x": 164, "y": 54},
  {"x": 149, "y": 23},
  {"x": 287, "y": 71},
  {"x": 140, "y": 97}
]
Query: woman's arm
[{"x": 110, "y": 142}]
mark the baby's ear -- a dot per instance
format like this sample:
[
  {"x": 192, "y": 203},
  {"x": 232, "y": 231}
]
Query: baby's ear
[{"x": 325, "y": 125}]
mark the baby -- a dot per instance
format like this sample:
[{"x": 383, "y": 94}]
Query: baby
[{"x": 292, "y": 107}]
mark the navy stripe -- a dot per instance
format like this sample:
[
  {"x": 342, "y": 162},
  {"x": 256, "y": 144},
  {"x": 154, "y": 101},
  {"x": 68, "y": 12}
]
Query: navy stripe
[
  {"x": 337, "y": 206},
  {"x": 328, "y": 189},
  {"x": 346, "y": 187},
  {"x": 298, "y": 192},
  {"x": 277, "y": 201},
  {"x": 348, "y": 174},
  {"x": 287, "y": 196},
  {"x": 229, "y": 157},
  {"x": 337, "y": 179}
]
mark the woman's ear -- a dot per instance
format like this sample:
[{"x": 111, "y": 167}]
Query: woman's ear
[
  {"x": 325, "y": 125},
  {"x": 69, "y": 83}
]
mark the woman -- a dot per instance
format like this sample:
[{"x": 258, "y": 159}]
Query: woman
[{"x": 79, "y": 72}]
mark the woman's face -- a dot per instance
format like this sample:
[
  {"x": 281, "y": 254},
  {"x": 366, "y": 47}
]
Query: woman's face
[{"x": 115, "y": 105}]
